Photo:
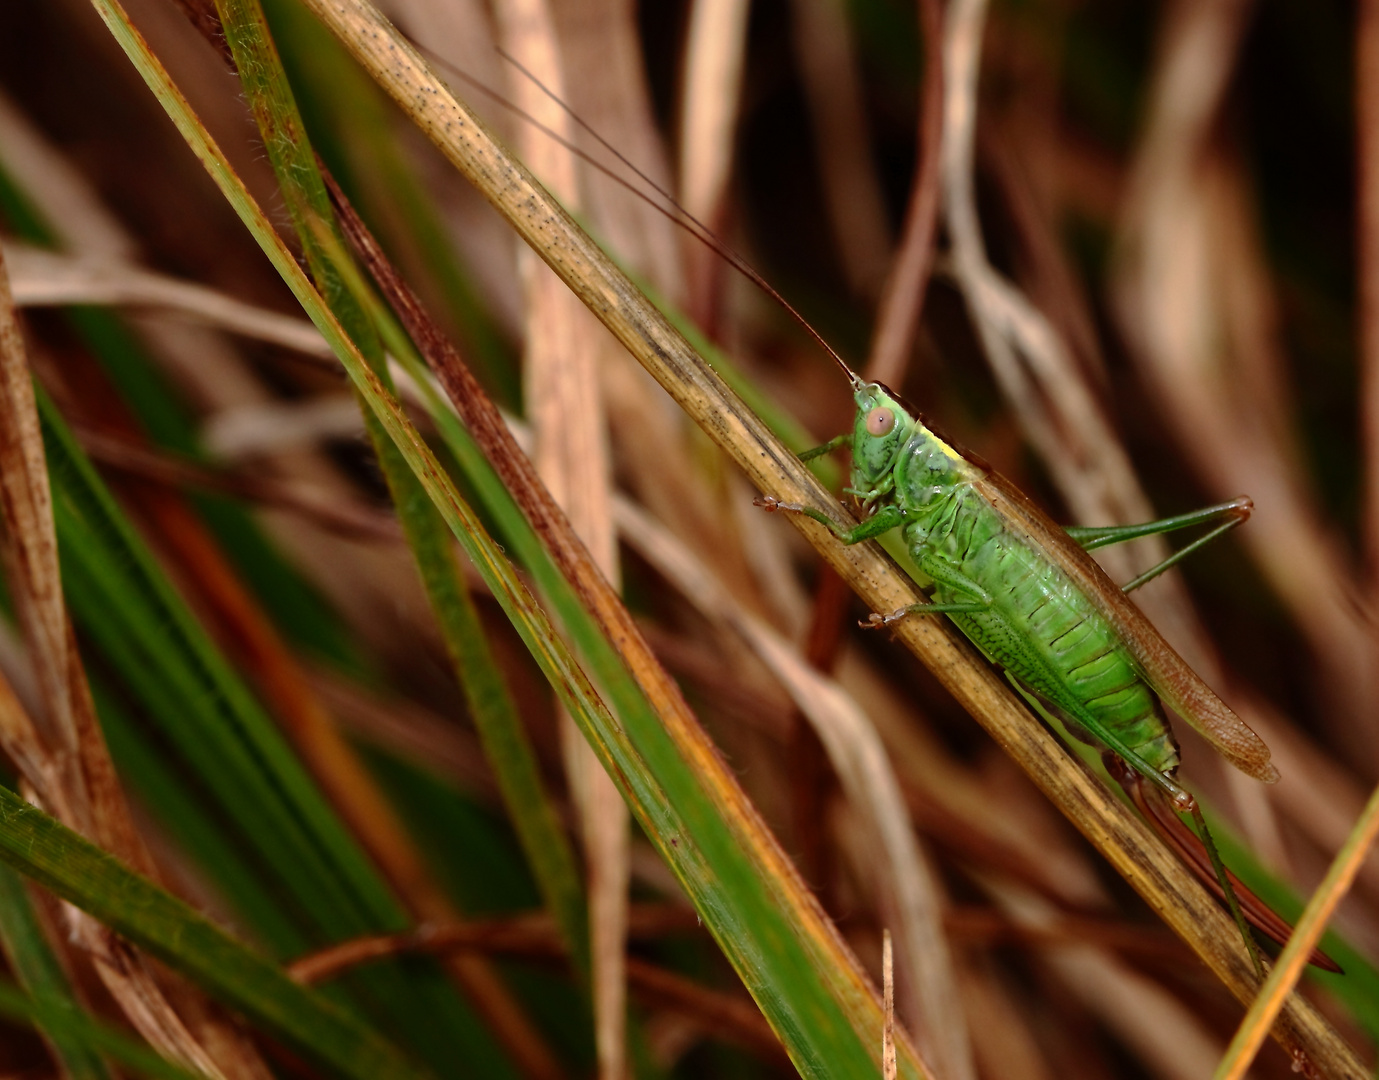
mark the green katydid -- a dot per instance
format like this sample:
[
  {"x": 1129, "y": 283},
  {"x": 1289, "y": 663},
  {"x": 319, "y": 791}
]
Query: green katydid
[{"x": 1026, "y": 593}]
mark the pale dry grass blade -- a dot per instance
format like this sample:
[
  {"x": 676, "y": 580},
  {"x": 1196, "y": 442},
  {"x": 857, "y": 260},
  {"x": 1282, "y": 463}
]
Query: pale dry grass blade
[
  {"x": 606, "y": 78},
  {"x": 712, "y": 84},
  {"x": 254, "y": 431},
  {"x": 249, "y": 423},
  {"x": 48, "y": 278},
  {"x": 609, "y": 87},
  {"x": 609, "y": 92},
  {"x": 24, "y": 744},
  {"x": 888, "y": 1003},
  {"x": 31, "y": 565},
  {"x": 904, "y": 879},
  {"x": 709, "y": 102},
  {"x": 565, "y": 408}
]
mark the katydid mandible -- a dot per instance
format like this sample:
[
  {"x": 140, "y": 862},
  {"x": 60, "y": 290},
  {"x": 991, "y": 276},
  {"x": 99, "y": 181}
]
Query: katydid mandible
[{"x": 1026, "y": 593}]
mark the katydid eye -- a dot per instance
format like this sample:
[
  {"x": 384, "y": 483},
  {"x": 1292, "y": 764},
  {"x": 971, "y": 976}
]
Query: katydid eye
[{"x": 880, "y": 421}]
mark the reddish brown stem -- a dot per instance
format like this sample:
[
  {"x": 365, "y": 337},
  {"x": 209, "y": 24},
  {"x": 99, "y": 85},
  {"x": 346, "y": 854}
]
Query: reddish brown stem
[{"x": 1154, "y": 805}]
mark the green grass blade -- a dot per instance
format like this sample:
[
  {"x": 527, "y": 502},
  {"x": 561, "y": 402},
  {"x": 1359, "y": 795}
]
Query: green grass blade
[
  {"x": 206, "y": 716},
  {"x": 32, "y": 962},
  {"x": 120, "y": 596},
  {"x": 43, "y": 849},
  {"x": 353, "y": 128},
  {"x": 60, "y": 1019}
]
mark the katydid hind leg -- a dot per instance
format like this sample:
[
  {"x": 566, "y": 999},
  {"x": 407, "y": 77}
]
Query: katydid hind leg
[
  {"x": 1229, "y": 515},
  {"x": 1094, "y": 536},
  {"x": 1087, "y": 731},
  {"x": 1190, "y": 848}
]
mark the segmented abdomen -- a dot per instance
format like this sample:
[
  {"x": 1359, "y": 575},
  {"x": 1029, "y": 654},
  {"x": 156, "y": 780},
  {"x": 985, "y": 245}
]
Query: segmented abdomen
[{"x": 1044, "y": 631}]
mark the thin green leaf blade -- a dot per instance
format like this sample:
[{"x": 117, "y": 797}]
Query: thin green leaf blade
[{"x": 43, "y": 849}]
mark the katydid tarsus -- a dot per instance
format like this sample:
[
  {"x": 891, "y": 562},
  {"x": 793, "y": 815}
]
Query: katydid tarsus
[{"x": 1026, "y": 593}]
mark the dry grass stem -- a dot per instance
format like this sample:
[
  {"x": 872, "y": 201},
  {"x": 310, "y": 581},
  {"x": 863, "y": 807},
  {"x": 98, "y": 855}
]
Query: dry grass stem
[
  {"x": 888, "y": 999},
  {"x": 712, "y": 84},
  {"x": 565, "y": 408}
]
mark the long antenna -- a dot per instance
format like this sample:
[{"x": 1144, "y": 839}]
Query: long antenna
[{"x": 678, "y": 216}]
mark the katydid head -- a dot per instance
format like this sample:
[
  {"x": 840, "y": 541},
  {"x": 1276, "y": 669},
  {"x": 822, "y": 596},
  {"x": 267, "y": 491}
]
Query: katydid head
[
  {"x": 894, "y": 450},
  {"x": 879, "y": 433}
]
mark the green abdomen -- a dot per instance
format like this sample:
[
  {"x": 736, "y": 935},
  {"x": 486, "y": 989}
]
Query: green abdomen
[{"x": 1045, "y": 632}]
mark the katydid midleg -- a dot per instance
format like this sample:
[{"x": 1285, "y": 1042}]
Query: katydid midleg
[{"x": 1026, "y": 593}]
